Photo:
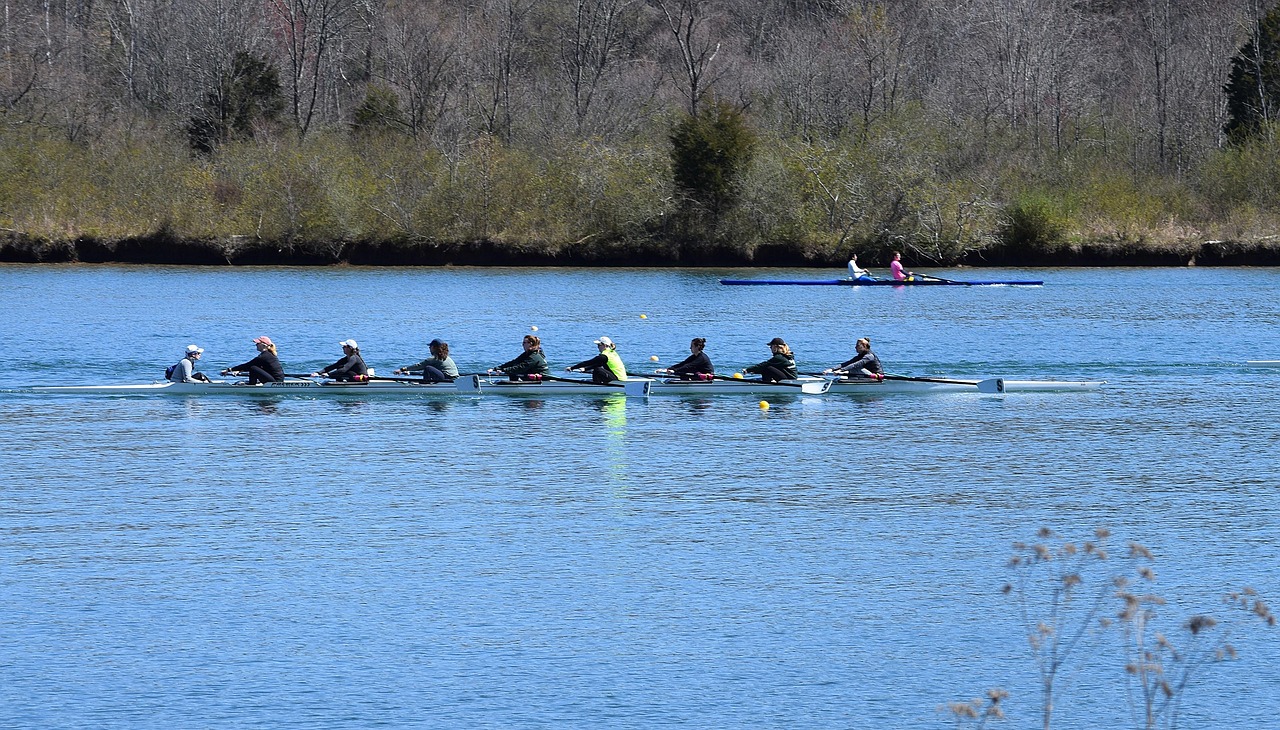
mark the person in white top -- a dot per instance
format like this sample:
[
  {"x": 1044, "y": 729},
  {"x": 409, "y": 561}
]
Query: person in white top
[
  {"x": 857, "y": 272},
  {"x": 184, "y": 370}
]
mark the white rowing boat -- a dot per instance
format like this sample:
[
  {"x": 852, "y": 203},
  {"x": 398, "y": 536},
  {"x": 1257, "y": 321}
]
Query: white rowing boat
[
  {"x": 470, "y": 385},
  {"x": 465, "y": 386},
  {"x": 989, "y": 386},
  {"x": 473, "y": 385}
]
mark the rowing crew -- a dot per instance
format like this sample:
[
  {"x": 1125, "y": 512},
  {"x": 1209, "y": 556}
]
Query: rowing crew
[
  {"x": 896, "y": 270},
  {"x": 530, "y": 365}
]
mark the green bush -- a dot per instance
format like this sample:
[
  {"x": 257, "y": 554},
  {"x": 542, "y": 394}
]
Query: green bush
[{"x": 1034, "y": 221}]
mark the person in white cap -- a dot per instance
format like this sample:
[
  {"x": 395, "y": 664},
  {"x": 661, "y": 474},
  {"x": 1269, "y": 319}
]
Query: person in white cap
[
  {"x": 184, "y": 371},
  {"x": 350, "y": 367},
  {"x": 605, "y": 367}
]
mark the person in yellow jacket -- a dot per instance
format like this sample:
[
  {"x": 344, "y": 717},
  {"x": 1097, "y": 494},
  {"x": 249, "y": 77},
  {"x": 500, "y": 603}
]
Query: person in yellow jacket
[{"x": 605, "y": 367}]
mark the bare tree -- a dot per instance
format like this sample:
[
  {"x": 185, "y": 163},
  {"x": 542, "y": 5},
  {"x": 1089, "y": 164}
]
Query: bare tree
[
  {"x": 591, "y": 48},
  {"x": 309, "y": 28},
  {"x": 693, "y": 29},
  {"x": 422, "y": 62}
]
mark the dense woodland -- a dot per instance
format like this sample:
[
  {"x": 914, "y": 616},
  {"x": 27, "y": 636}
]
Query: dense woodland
[{"x": 658, "y": 131}]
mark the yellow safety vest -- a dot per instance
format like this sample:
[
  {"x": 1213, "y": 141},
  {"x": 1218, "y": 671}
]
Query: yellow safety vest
[{"x": 615, "y": 364}]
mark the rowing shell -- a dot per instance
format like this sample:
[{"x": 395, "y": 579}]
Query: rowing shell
[
  {"x": 476, "y": 385},
  {"x": 469, "y": 385},
  {"x": 867, "y": 386},
  {"x": 875, "y": 282}
]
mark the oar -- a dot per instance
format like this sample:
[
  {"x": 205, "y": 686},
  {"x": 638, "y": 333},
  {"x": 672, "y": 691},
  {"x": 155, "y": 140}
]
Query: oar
[
  {"x": 406, "y": 379},
  {"x": 629, "y": 387},
  {"x": 287, "y": 375},
  {"x": 809, "y": 388},
  {"x": 939, "y": 278}
]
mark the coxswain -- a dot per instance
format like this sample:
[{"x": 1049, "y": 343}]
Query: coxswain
[
  {"x": 606, "y": 367},
  {"x": 184, "y": 370}
]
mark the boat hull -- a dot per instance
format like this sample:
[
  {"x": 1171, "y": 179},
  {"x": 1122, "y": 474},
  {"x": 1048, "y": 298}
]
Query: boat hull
[
  {"x": 990, "y": 386},
  {"x": 475, "y": 386},
  {"x": 876, "y": 282}
]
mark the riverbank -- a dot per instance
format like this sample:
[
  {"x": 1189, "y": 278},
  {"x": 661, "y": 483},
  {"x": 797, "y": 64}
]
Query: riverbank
[{"x": 245, "y": 251}]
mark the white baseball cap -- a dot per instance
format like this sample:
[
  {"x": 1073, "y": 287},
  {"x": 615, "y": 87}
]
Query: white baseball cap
[
  {"x": 604, "y": 341},
  {"x": 350, "y": 343},
  {"x": 193, "y": 348}
]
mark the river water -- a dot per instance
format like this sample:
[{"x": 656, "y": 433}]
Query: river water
[{"x": 830, "y": 561}]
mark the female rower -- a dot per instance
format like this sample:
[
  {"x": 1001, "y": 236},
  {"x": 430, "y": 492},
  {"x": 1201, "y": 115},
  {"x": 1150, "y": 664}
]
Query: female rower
[
  {"x": 530, "y": 365},
  {"x": 439, "y": 368},
  {"x": 895, "y": 268},
  {"x": 696, "y": 365},
  {"x": 265, "y": 368},
  {"x": 349, "y": 367},
  {"x": 782, "y": 366},
  {"x": 605, "y": 367},
  {"x": 184, "y": 370},
  {"x": 864, "y": 364}
]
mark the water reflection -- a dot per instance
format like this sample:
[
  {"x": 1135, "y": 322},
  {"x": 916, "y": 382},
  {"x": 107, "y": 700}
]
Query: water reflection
[
  {"x": 262, "y": 407},
  {"x": 437, "y": 405},
  {"x": 613, "y": 412}
]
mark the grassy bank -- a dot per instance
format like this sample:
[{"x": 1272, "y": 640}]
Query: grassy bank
[{"x": 909, "y": 185}]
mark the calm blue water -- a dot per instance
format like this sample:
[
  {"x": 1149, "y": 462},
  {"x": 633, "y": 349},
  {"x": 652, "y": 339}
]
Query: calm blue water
[{"x": 579, "y": 562}]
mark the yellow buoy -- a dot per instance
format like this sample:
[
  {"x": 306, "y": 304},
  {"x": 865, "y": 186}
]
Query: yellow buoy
[
  {"x": 643, "y": 316},
  {"x": 653, "y": 358},
  {"x": 737, "y": 376},
  {"x": 764, "y": 405}
]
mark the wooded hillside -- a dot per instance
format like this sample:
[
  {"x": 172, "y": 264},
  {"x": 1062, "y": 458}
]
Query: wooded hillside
[{"x": 673, "y": 129}]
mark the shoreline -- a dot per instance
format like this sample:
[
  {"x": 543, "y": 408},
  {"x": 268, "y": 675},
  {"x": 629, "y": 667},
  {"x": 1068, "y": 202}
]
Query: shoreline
[{"x": 164, "y": 250}]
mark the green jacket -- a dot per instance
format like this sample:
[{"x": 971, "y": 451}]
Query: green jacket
[{"x": 785, "y": 363}]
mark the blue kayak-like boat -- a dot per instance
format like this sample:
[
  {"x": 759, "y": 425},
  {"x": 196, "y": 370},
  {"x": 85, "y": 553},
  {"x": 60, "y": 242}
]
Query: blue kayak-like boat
[{"x": 917, "y": 281}]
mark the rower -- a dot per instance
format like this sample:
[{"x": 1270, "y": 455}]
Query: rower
[
  {"x": 184, "y": 370},
  {"x": 782, "y": 366},
  {"x": 349, "y": 367},
  {"x": 530, "y": 365},
  {"x": 265, "y": 368},
  {"x": 695, "y": 367},
  {"x": 857, "y": 273},
  {"x": 605, "y": 367},
  {"x": 864, "y": 364},
  {"x": 439, "y": 368},
  {"x": 895, "y": 268}
]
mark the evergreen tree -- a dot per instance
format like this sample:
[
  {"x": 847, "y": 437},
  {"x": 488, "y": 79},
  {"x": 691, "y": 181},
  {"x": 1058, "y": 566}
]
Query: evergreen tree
[
  {"x": 1253, "y": 87},
  {"x": 380, "y": 112},
  {"x": 246, "y": 95},
  {"x": 709, "y": 152}
]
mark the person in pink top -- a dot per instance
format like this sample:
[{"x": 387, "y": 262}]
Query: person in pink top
[{"x": 895, "y": 268}]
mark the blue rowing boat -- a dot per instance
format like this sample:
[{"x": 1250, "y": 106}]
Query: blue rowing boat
[{"x": 917, "y": 281}]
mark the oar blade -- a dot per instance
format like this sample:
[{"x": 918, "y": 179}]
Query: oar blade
[{"x": 991, "y": 385}]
